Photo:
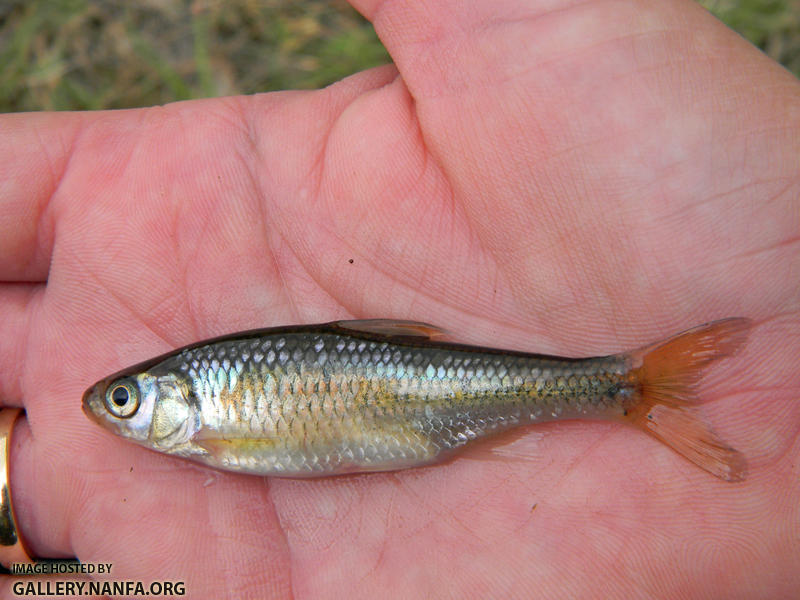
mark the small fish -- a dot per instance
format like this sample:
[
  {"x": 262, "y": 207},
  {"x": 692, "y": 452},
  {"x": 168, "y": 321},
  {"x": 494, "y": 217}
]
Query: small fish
[{"x": 381, "y": 395}]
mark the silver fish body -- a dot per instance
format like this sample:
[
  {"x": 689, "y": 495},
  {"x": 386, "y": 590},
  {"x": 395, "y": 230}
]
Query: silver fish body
[{"x": 348, "y": 397}]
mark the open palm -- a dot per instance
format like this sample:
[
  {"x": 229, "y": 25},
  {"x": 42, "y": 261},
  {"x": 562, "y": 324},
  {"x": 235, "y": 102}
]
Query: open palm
[{"x": 539, "y": 177}]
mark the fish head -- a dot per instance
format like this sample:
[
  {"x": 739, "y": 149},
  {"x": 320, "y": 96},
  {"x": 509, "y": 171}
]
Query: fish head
[{"x": 152, "y": 410}]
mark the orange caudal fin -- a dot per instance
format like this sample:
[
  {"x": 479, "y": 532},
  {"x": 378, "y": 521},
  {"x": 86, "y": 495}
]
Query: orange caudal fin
[{"x": 667, "y": 377}]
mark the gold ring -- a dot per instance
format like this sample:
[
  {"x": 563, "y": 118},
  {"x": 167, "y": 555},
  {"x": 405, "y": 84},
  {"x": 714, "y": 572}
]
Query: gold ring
[{"x": 12, "y": 549}]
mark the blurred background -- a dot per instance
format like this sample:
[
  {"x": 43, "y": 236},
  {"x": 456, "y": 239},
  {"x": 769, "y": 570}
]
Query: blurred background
[{"x": 94, "y": 54}]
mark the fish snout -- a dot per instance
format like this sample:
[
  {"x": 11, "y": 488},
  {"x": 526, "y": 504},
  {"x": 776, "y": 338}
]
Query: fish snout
[{"x": 91, "y": 403}]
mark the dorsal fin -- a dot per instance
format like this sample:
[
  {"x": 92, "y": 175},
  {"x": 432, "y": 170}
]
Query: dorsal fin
[{"x": 393, "y": 328}]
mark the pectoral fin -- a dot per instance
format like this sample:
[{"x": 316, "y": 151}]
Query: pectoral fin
[{"x": 220, "y": 447}]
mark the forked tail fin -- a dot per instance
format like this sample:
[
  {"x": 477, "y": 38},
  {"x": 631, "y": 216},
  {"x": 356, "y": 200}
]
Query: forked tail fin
[{"x": 667, "y": 377}]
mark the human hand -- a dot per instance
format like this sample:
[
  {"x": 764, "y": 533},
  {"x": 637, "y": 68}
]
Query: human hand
[{"x": 575, "y": 179}]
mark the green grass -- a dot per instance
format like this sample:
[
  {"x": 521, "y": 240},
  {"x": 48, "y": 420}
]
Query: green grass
[
  {"x": 772, "y": 25},
  {"x": 82, "y": 54},
  {"x": 92, "y": 54}
]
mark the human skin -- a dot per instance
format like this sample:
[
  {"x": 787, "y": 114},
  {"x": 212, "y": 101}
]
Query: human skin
[{"x": 573, "y": 178}]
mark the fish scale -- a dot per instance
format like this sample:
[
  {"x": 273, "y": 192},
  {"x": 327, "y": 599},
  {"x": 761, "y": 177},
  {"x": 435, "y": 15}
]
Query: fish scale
[
  {"x": 359, "y": 396},
  {"x": 333, "y": 402}
]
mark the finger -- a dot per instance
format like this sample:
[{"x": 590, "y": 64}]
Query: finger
[
  {"x": 505, "y": 87},
  {"x": 16, "y": 302},
  {"x": 443, "y": 50},
  {"x": 80, "y": 492},
  {"x": 595, "y": 133},
  {"x": 34, "y": 155}
]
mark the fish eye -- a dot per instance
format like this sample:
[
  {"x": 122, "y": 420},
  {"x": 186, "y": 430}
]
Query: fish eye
[{"x": 122, "y": 399}]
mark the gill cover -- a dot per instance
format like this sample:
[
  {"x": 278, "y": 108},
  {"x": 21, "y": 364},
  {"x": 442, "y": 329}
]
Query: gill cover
[{"x": 175, "y": 419}]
